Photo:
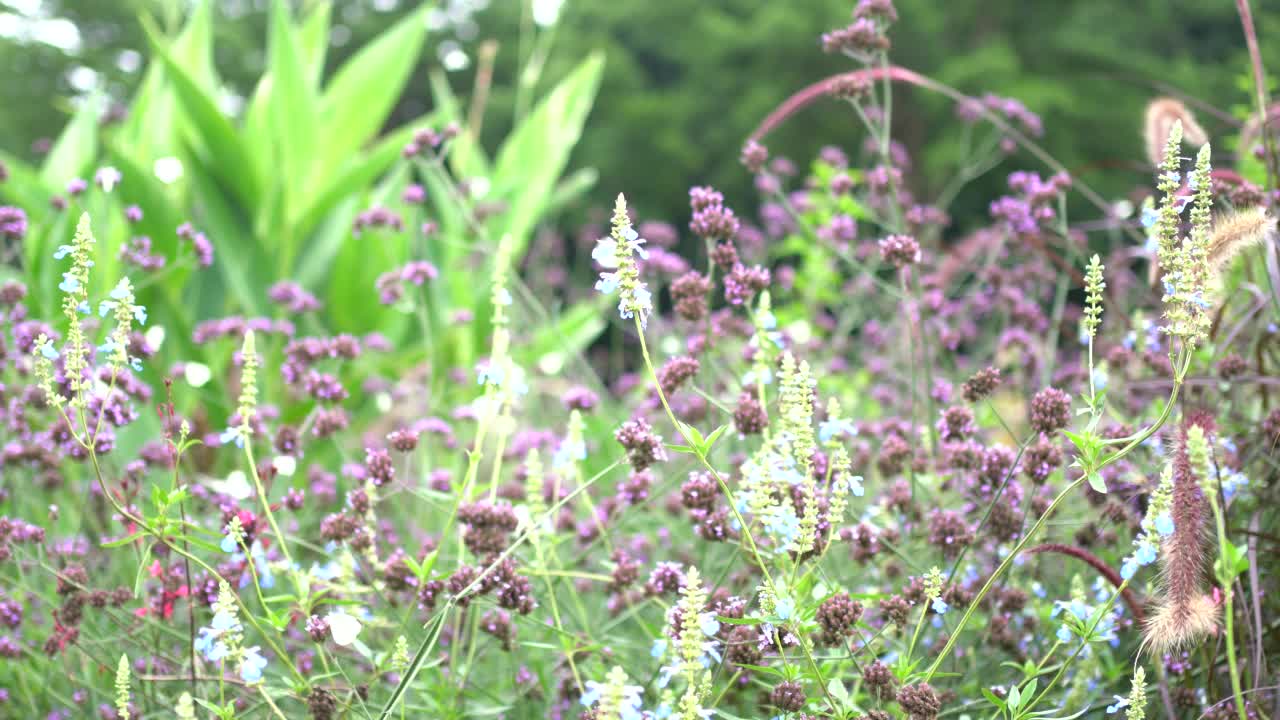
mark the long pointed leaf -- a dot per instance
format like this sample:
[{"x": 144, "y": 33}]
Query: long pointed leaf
[
  {"x": 76, "y": 147},
  {"x": 364, "y": 90},
  {"x": 223, "y": 149}
]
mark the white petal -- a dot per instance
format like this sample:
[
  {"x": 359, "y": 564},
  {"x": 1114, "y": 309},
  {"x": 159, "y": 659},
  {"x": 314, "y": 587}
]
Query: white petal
[
  {"x": 343, "y": 627},
  {"x": 196, "y": 374}
]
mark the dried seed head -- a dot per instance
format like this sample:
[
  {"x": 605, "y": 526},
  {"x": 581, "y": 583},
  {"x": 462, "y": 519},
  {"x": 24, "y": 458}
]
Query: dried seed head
[
  {"x": 1161, "y": 114},
  {"x": 1184, "y": 611},
  {"x": 1234, "y": 233}
]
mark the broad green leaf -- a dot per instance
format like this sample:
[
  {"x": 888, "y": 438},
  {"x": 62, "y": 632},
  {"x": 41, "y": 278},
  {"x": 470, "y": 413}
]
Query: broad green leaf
[
  {"x": 573, "y": 187},
  {"x": 356, "y": 175},
  {"x": 466, "y": 157},
  {"x": 352, "y": 300},
  {"x": 76, "y": 148},
  {"x": 24, "y": 187},
  {"x": 362, "y": 93},
  {"x": 151, "y": 128},
  {"x": 293, "y": 108},
  {"x": 220, "y": 145},
  {"x": 533, "y": 157},
  {"x": 313, "y": 41},
  {"x": 568, "y": 334},
  {"x": 238, "y": 260}
]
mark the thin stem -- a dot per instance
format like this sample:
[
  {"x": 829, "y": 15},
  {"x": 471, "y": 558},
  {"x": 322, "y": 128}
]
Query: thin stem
[
  {"x": 266, "y": 504},
  {"x": 699, "y": 452},
  {"x": 1000, "y": 569},
  {"x": 1226, "y": 579}
]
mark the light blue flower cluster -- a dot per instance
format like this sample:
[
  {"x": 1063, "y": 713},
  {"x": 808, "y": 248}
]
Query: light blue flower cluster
[
  {"x": 708, "y": 626},
  {"x": 629, "y": 701},
  {"x": 220, "y": 641},
  {"x": 1157, "y": 524},
  {"x": 619, "y": 254},
  {"x": 1077, "y": 619}
]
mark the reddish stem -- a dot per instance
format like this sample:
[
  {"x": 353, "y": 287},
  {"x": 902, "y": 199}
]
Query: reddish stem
[{"x": 1093, "y": 561}]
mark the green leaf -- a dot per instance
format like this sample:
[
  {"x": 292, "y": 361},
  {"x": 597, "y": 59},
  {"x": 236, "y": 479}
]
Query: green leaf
[
  {"x": 1030, "y": 689},
  {"x": 221, "y": 147},
  {"x": 313, "y": 41},
  {"x": 75, "y": 148},
  {"x": 1096, "y": 482},
  {"x": 714, "y": 436},
  {"x": 293, "y": 105},
  {"x": 362, "y": 93},
  {"x": 993, "y": 698},
  {"x": 356, "y": 176},
  {"x": 692, "y": 434},
  {"x": 837, "y": 690},
  {"x": 530, "y": 162},
  {"x": 240, "y": 262}
]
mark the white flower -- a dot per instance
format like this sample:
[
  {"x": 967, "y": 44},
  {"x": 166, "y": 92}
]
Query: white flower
[
  {"x": 343, "y": 627},
  {"x": 168, "y": 169},
  {"x": 107, "y": 178}
]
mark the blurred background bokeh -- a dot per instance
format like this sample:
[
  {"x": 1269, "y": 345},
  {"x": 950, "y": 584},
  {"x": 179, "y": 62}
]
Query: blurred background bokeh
[{"x": 686, "y": 82}]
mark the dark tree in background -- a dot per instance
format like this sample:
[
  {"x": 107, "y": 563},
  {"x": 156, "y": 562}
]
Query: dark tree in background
[{"x": 686, "y": 82}]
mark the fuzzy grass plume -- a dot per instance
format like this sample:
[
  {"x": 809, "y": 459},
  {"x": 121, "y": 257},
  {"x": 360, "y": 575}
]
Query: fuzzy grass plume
[
  {"x": 1236, "y": 232},
  {"x": 1184, "y": 612},
  {"x": 1158, "y": 122}
]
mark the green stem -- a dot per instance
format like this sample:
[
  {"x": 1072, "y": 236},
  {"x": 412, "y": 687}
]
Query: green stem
[
  {"x": 266, "y": 504},
  {"x": 1000, "y": 569},
  {"x": 1227, "y": 580},
  {"x": 700, "y": 453}
]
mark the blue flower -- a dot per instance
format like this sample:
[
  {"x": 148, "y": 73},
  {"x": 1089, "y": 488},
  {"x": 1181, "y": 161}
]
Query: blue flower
[
  {"x": 207, "y": 643},
  {"x": 1064, "y": 633},
  {"x": 784, "y": 608},
  {"x": 607, "y": 283},
  {"x": 252, "y": 664},
  {"x": 1233, "y": 483},
  {"x": 83, "y": 308},
  {"x": 223, "y": 621},
  {"x": 1119, "y": 705},
  {"x": 328, "y": 571},
  {"x": 567, "y": 453},
  {"x": 49, "y": 351},
  {"x": 940, "y": 606},
  {"x": 1164, "y": 524},
  {"x": 62, "y": 251},
  {"x": 659, "y": 648},
  {"x": 266, "y": 579},
  {"x": 1145, "y": 555},
  {"x": 230, "y": 434},
  {"x": 488, "y": 373},
  {"x": 69, "y": 283},
  {"x": 1129, "y": 568},
  {"x": 606, "y": 253},
  {"x": 1149, "y": 217},
  {"x": 828, "y": 429},
  {"x": 229, "y": 544},
  {"x": 710, "y": 626}
]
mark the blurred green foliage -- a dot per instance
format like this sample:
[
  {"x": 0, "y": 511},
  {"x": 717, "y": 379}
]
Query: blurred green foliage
[
  {"x": 684, "y": 83},
  {"x": 279, "y": 186}
]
